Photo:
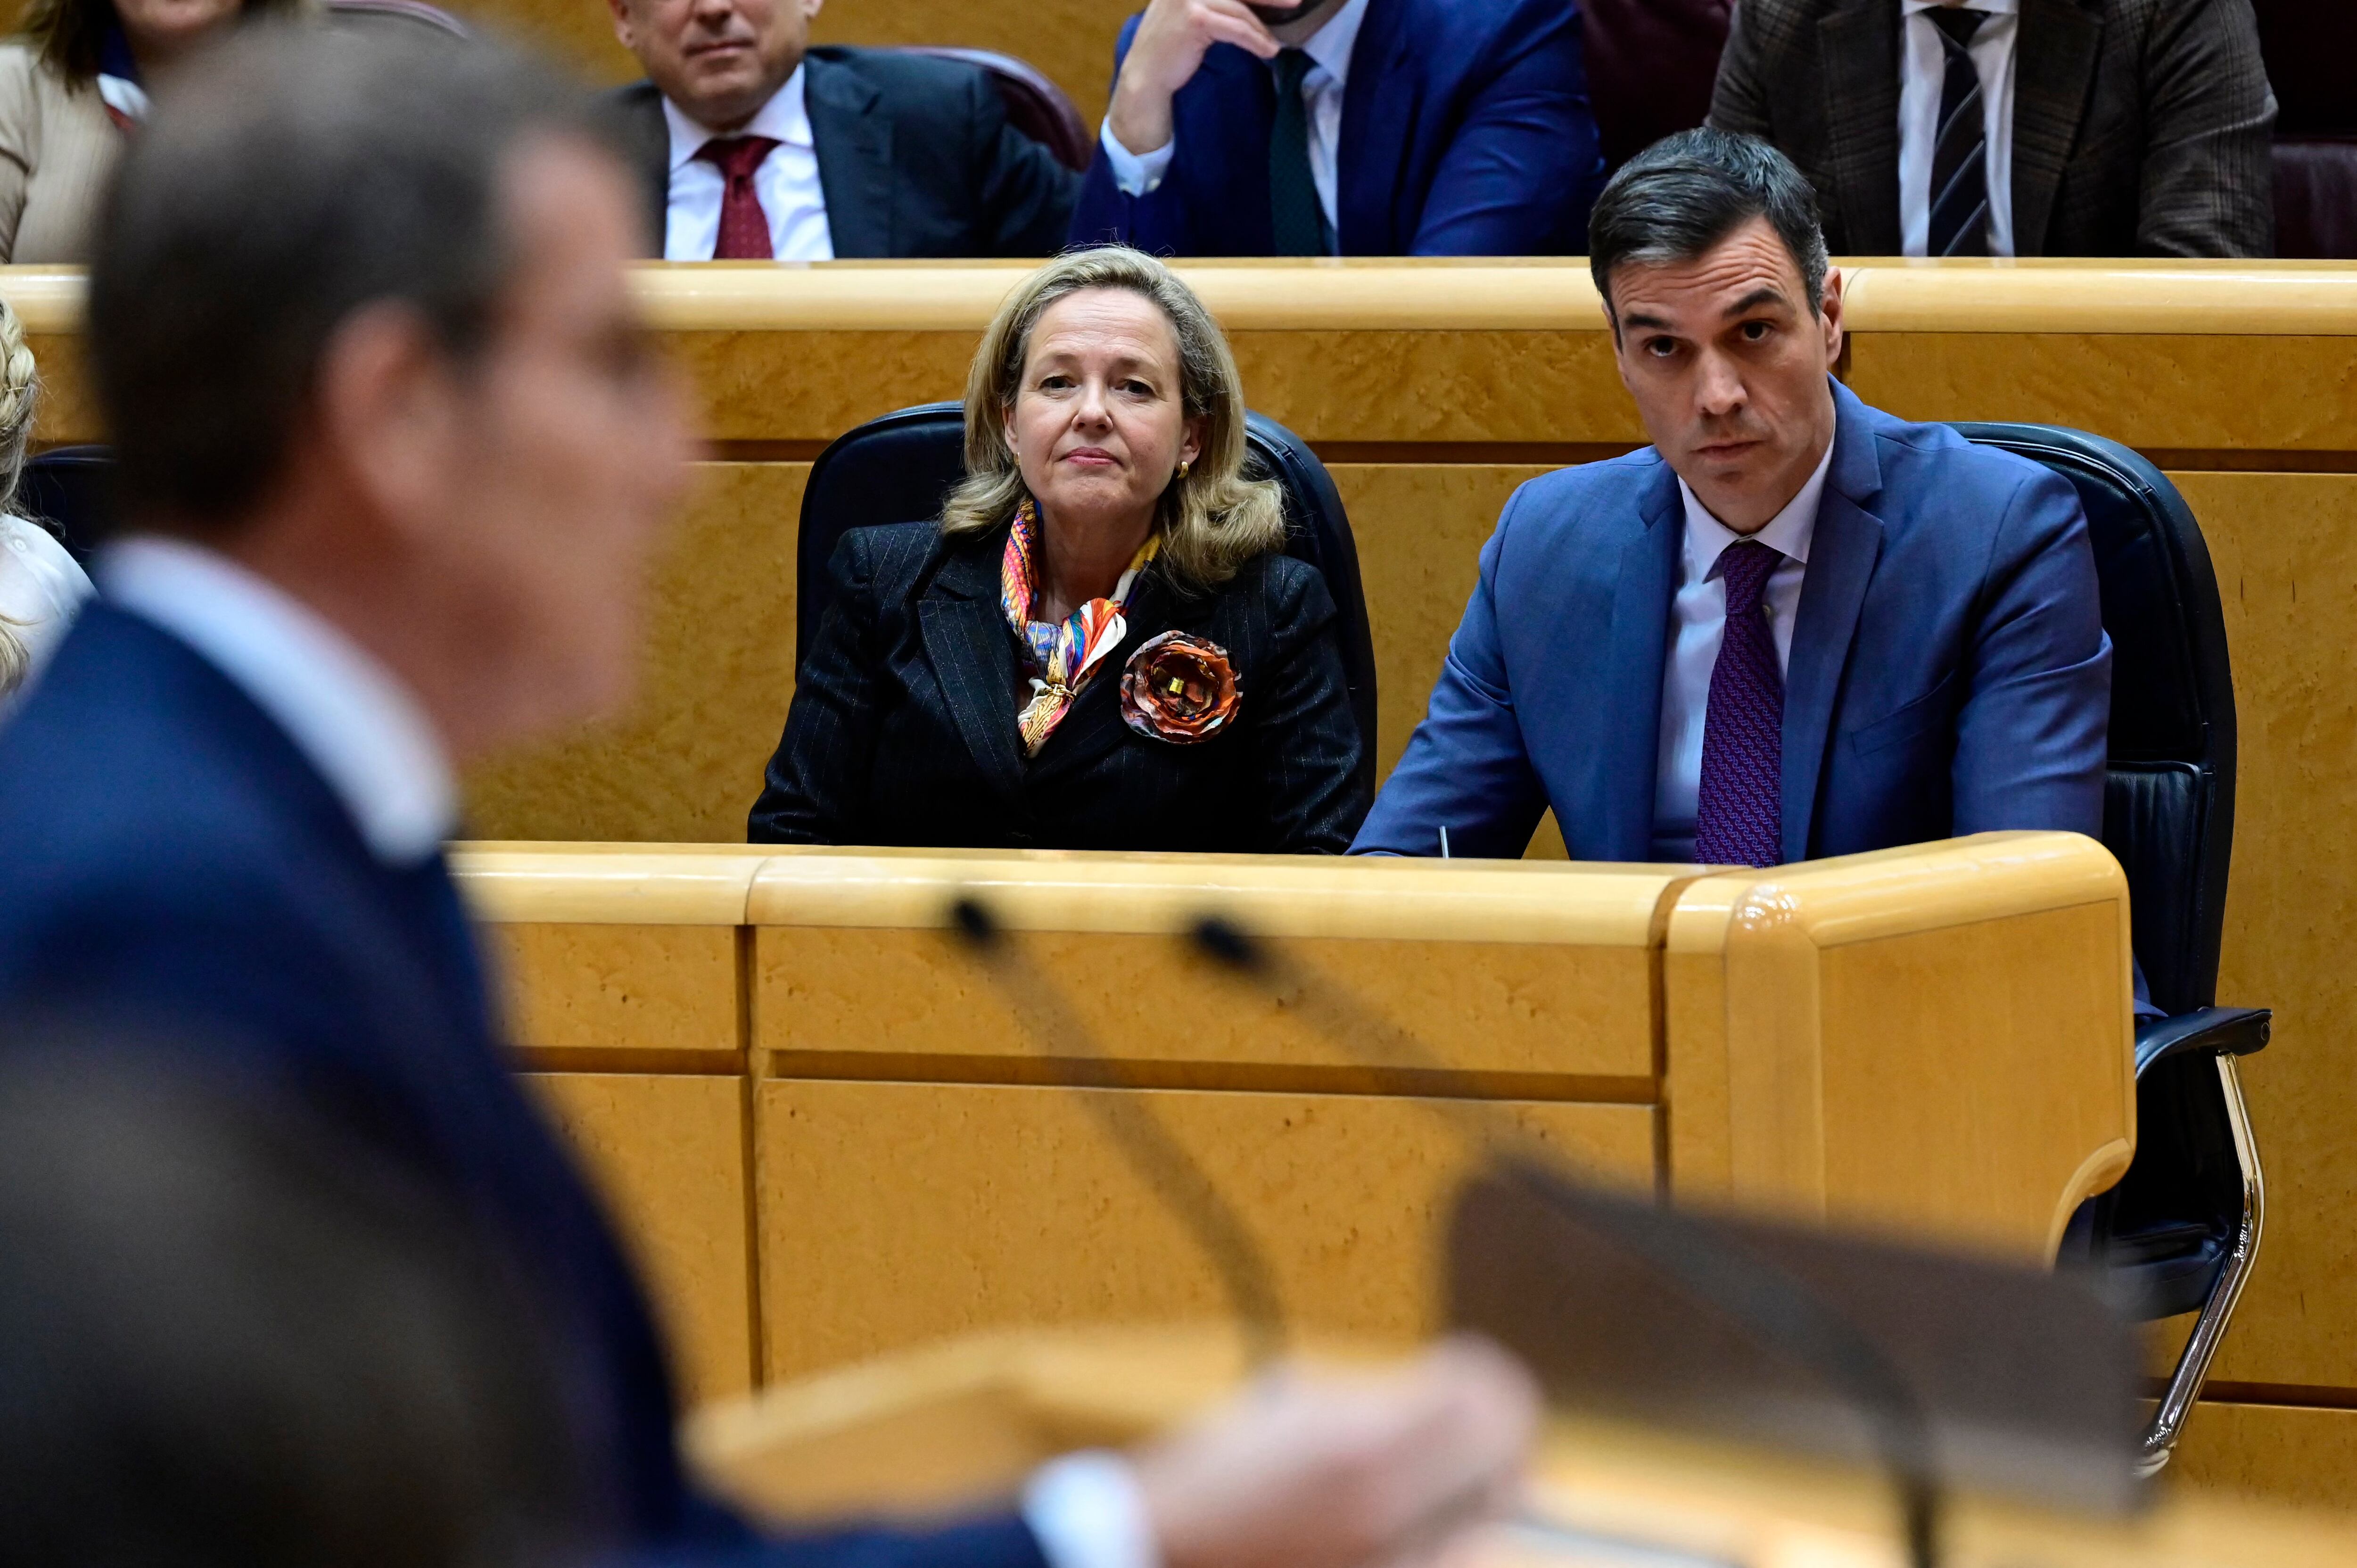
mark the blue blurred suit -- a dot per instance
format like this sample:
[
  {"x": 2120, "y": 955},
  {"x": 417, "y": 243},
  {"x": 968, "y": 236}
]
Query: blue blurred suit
[
  {"x": 1949, "y": 671},
  {"x": 1466, "y": 132},
  {"x": 175, "y": 863}
]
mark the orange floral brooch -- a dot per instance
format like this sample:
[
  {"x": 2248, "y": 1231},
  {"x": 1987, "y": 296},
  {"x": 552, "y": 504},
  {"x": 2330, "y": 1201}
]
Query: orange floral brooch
[{"x": 1179, "y": 688}]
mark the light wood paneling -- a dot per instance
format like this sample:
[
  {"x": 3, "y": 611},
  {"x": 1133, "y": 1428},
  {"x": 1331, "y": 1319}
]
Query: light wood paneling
[
  {"x": 1934, "y": 1041},
  {"x": 1523, "y": 1011},
  {"x": 668, "y": 1154},
  {"x": 622, "y": 988},
  {"x": 895, "y": 1213},
  {"x": 2286, "y": 1453},
  {"x": 684, "y": 761},
  {"x": 2285, "y": 546}
]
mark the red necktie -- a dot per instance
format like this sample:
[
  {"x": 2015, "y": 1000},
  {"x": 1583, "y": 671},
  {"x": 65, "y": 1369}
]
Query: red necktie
[{"x": 744, "y": 227}]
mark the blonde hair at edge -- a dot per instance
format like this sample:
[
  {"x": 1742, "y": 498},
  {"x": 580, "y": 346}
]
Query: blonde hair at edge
[
  {"x": 18, "y": 388},
  {"x": 1213, "y": 518}
]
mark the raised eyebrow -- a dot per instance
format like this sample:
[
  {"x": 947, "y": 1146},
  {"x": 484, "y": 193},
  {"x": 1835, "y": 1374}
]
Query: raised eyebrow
[{"x": 1642, "y": 319}]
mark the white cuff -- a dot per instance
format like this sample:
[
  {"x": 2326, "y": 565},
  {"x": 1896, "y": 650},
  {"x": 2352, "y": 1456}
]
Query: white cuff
[
  {"x": 1136, "y": 174},
  {"x": 1087, "y": 1511}
]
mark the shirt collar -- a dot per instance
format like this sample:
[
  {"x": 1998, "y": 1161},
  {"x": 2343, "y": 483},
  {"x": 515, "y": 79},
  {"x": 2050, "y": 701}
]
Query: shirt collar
[
  {"x": 1788, "y": 533},
  {"x": 1329, "y": 46},
  {"x": 347, "y": 714},
  {"x": 784, "y": 118},
  {"x": 1994, "y": 7}
]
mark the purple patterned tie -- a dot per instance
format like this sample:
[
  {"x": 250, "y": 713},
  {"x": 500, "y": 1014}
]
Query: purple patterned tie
[{"x": 1740, "y": 815}]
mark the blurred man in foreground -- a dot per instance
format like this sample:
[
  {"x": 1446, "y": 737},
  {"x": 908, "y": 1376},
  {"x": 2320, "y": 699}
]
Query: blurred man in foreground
[{"x": 394, "y": 449}]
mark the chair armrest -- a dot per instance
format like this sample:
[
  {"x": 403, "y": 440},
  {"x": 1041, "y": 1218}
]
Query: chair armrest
[{"x": 2237, "y": 1030}]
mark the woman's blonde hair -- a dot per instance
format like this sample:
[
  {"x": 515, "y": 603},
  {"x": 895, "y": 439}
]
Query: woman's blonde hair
[
  {"x": 1214, "y": 518},
  {"x": 20, "y": 388}
]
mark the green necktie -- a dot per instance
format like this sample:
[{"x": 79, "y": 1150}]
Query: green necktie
[{"x": 1297, "y": 220}]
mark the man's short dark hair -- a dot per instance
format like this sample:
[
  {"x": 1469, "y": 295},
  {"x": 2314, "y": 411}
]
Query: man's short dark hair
[
  {"x": 1686, "y": 193},
  {"x": 296, "y": 175}
]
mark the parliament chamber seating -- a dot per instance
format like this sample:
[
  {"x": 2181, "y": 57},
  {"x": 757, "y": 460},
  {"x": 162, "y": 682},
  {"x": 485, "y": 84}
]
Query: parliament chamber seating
[
  {"x": 1034, "y": 105},
  {"x": 2179, "y": 1233},
  {"x": 900, "y": 467},
  {"x": 1428, "y": 390}
]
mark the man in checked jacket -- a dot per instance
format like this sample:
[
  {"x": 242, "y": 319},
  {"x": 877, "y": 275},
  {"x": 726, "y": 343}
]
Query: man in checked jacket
[{"x": 2014, "y": 127}]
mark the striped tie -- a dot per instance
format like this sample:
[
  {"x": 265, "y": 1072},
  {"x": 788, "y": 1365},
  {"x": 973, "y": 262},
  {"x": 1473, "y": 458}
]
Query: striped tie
[{"x": 1960, "y": 153}]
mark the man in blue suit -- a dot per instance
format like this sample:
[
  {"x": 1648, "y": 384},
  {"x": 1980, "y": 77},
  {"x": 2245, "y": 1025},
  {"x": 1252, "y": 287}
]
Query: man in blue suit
[
  {"x": 1346, "y": 127},
  {"x": 394, "y": 450},
  {"x": 1795, "y": 626}
]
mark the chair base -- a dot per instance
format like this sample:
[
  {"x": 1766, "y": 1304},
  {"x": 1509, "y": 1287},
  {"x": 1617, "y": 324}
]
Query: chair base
[{"x": 2209, "y": 1330}]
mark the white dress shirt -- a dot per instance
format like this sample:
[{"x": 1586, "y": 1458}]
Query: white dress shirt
[
  {"x": 355, "y": 722},
  {"x": 1697, "y": 624},
  {"x": 41, "y": 586},
  {"x": 1924, "y": 69},
  {"x": 1328, "y": 50},
  {"x": 349, "y": 716},
  {"x": 786, "y": 182}
]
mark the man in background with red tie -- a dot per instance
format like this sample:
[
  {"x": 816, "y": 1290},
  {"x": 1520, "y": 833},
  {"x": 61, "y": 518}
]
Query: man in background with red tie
[
  {"x": 752, "y": 145},
  {"x": 1795, "y": 626}
]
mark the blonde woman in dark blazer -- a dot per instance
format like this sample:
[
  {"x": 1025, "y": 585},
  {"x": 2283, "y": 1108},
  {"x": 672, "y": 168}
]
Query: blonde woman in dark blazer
[
  {"x": 1100, "y": 643},
  {"x": 71, "y": 85}
]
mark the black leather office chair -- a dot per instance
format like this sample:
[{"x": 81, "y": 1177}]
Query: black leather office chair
[
  {"x": 898, "y": 468},
  {"x": 2181, "y": 1230},
  {"x": 72, "y": 489},
  {"x": 1035, "y": 104}
]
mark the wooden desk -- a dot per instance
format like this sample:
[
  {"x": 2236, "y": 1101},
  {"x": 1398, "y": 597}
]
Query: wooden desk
[
  {"x": 831, "y": 1136},
  {"x": 961, "y": 1422},
  {"x": 1431, "y": 388}
]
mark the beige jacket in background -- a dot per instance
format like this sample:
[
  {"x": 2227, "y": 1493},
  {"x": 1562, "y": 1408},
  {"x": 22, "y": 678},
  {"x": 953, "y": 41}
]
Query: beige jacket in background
[{"x": 56, "y": 148}]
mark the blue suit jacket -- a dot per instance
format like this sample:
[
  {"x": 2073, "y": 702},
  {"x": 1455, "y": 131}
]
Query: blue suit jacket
[
  {"x": 175, "y": 864},
  {"x": 1949, "y": 671},
  {"x": 1466, "y": 132}
]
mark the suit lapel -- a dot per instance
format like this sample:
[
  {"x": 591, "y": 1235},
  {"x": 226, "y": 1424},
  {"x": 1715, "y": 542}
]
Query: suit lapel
[
  {"x": 1378, "y": 111},
  {"x": 2055, "y": 59},
  {"x": 1636, "y": 648},
  {"x": 972, "y": 655},
  {"x": 1842, "y": 553},
  {"x": 640, "y": 123},
  {"x": 1859, "y": 47},
  {"x": 854, "y": 158}
]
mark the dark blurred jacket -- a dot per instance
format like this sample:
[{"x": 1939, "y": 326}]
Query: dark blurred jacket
[
  {"x": 176, "y": 866},
  {"x": 2140, "y": 126},
  {"x": 902, "y": 729},
  {"x": 916, "y": 157}
]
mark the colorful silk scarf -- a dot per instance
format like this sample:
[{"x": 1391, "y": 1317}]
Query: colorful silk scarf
[{"x": 1058, "y": 656}]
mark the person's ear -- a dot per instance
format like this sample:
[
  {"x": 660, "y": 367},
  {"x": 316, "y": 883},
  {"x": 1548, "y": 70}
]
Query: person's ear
[
  {"x": 626, "y": 29},
  {"x": 391, "y": 414},
  {"x": 1190, "y": 437},
  {"x": 1830, "y": 313},
  {"x": 811, "y": 10}
]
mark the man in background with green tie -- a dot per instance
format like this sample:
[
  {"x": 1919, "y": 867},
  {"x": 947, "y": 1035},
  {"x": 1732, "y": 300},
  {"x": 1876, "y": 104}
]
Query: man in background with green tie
[{"x": 1346, "y": 127}]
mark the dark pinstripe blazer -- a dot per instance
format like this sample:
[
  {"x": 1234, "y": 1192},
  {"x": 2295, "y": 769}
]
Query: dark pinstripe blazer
[
  {"x": 2140, "y": 127},
  {"x": 902, "y": 729}
]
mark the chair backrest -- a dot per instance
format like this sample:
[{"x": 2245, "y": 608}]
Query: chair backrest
[
  {"x": 897, "y": 468},
  {"x": 1651, "y": 66},
  {"x": 73, "y": 487},
  {"x": 397, "y": 19},
  {"x": 1036, "y": 105},
  {"x": 2169, "y": 808}
]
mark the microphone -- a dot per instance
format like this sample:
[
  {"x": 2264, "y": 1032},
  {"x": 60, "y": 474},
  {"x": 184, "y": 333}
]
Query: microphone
[
  {"x": 1161, "y": 1161},
  {"x": 1773, "y": 1305}
]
